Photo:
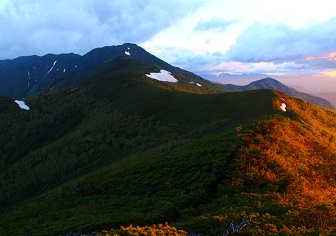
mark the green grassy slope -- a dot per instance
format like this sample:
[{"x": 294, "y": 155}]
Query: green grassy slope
[
  {"x": 122, "y": 150},
  {"x": 68, "y": 133},
  {"x": 204, "y": 185}
]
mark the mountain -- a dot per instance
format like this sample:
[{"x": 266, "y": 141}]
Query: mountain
[
  {"x": 329, "y": 96},
  {"x": 122, "y": 148},
  {"x": 31, "y": 75},
  {"x": 228, "y": 78},
  {"x": 301, "y": 89},
  {"x": 269, "y": 83}
]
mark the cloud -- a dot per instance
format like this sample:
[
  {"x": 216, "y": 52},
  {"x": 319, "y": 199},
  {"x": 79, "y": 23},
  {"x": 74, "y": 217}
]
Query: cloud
[
  {"x": 216, "y": 62},
  {"x": 38, "y": 27},
  {"x": 194, "y": 61},
  {"x": 214, "y": 24},
  {"x": 258, "y": 67},
  {"x": 188, "y": 59},
  {"x": 280, "y": 43}
]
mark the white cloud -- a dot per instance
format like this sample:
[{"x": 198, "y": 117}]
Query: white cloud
[
  {"x": 279, "y": 43},
  {"x": 38, "y": 27},
  {"x": 191, "y": 60}
]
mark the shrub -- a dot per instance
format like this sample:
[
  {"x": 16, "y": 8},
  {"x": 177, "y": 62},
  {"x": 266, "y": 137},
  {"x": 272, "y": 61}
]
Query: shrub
[{"x": 154, "y": 230}]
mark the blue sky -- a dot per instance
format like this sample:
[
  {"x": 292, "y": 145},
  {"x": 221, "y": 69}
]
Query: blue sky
[{"x": 291, "y": 40}]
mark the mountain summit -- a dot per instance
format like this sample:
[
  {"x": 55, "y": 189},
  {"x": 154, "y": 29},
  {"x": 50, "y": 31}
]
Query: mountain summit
[{"x": 269, "y": 83}]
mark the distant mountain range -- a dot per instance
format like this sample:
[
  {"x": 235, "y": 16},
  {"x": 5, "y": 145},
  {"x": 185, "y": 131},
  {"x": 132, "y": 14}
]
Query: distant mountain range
[
  {"x": 329, "y": 96},
  {"x": 31, "y": 75},
  {"x": 228, "y": 78},
  {"x": 269, "y": 83}
]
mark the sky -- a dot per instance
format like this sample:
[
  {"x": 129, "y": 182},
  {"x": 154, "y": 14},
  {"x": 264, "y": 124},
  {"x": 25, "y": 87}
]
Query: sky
[{"x": 290, "y": 40}]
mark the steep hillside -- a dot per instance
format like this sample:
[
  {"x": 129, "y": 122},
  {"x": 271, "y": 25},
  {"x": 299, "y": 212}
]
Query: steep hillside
[
  {"x": 269, "y": 83},
  {"x": 20, "y": 76},
  {"x": 31, "y": 75},
  {"x": 119, "y": 113}
]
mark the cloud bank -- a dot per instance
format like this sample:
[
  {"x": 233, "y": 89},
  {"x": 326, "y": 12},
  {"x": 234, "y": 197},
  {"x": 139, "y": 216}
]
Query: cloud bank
[
  {"x": 215, "y": 23},
  {"x": 37, "y": 27},
  {"x": 280, "y": 43}
]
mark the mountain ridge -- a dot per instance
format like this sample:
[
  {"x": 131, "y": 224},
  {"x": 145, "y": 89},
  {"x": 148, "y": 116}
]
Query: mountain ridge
[
  {"x": 31, "y": 75},
  {"x": 329, "y": 96}
]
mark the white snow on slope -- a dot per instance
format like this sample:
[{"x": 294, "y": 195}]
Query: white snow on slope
[
  {"x": 64, "y": 70},
  {"x": 28, "y": 78},
  {"x": 22, "y": 105},
  {"x": 127, "y": 53},
  {"x": 192, "y": 82},
  {"x": 283, "y": 106},
  {"x": 128, "y": 48},
  {"x": 164, "y": 75},
  {"x": 52, "y": 67}
]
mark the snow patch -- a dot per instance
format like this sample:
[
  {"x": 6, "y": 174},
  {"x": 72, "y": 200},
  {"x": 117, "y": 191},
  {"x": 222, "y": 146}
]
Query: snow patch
[
  {"x": 28, "y": 78},
  {"x": 64, "y": 70},
  {"x": 22, "y": 105},
  {"x": 164, "y": 75},
  {"x": 128, "y": 48},
  {"x": 127, "y": 53},
  {"x": 193, "y": 82},
  {"x": 283, "y": 106},
  {"x": 52, "y": 67}
]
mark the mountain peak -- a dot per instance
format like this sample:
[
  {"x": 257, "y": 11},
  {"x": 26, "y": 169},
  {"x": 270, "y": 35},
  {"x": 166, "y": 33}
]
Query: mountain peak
[{"x": 270, "y": 83}]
